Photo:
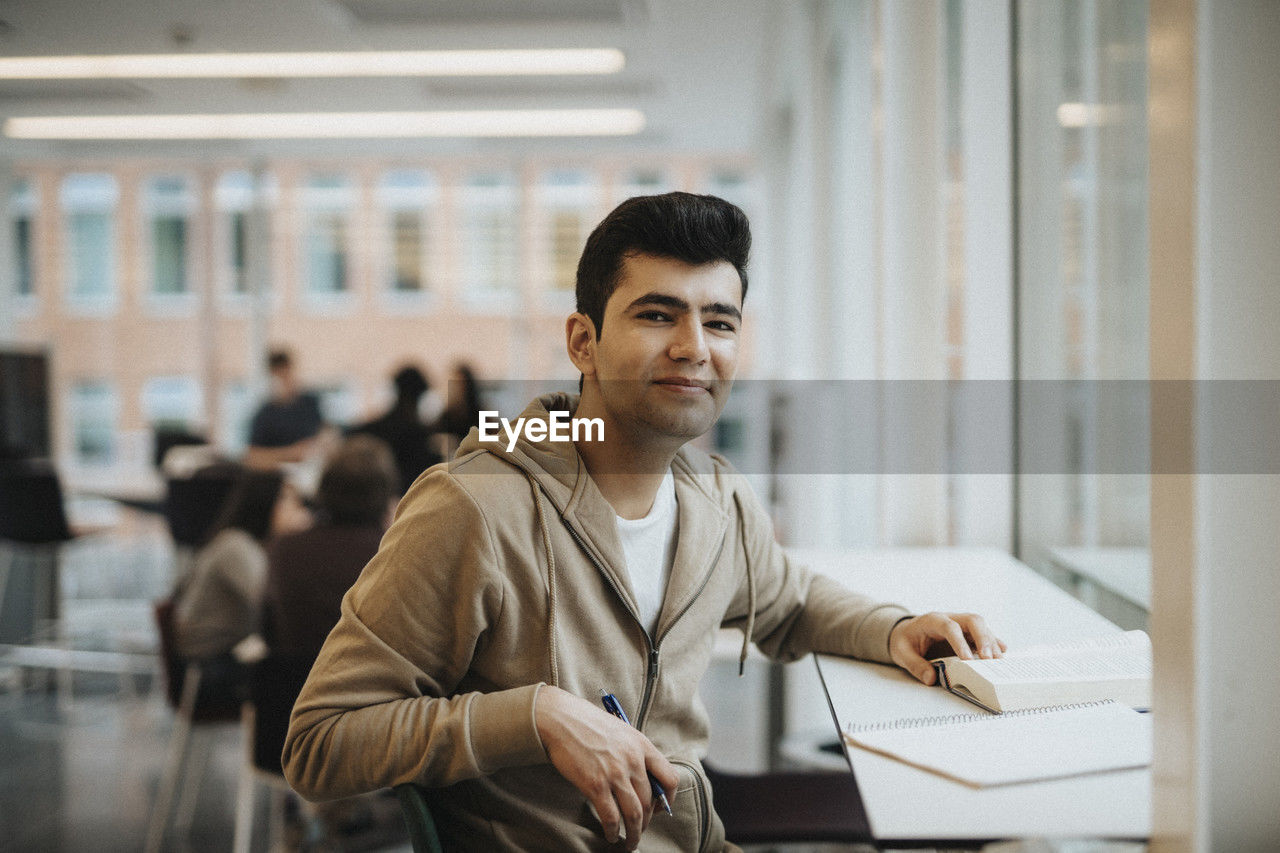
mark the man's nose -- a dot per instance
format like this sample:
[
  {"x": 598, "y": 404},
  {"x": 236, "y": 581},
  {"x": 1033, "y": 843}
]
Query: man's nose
[{"x": 690, "y": 342}]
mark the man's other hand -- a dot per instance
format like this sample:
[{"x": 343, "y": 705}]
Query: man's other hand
[
  {"x": 913, "y": 641},
  {"x": 605, "y": 759}
]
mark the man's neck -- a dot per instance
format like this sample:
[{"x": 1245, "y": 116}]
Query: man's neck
[{"x": 627, "y": 472}]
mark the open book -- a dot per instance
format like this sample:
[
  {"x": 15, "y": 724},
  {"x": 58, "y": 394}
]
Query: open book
[{"x": 1114, "y": 667}]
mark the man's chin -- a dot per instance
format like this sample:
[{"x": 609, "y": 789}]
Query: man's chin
[{"x": 683, "y": 422}]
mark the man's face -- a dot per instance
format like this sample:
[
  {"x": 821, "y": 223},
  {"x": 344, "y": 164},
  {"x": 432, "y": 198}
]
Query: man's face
[{"x": 665, "y": 362}]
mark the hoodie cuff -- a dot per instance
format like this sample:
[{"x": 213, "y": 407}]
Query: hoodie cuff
[
  {"x": 872, "y": 639},
  {"x": 503, "y": 730}
]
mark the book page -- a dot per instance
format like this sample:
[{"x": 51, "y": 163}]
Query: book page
[
  {"x": 1137, "y": 640},
  {"x": 1018, "y": 747},
  {"x": 1092, "y": 665}
]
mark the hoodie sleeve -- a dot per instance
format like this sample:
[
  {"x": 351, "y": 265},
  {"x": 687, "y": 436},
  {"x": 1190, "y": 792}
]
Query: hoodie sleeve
[
  {"x": 379, "y": 706},
  {"x": 797, "y": 612}
]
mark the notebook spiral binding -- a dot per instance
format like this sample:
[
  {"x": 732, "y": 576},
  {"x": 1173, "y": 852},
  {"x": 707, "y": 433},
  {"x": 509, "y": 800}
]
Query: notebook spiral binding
[{"x": 925, "y": 722}]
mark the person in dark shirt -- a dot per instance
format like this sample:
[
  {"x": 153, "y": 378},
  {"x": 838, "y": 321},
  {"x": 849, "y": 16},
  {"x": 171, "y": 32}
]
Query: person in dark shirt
[
  {"x": 402, "y": 428},
  {"x": 287, "y": 427},
  {"x": 309, "y": 572}
]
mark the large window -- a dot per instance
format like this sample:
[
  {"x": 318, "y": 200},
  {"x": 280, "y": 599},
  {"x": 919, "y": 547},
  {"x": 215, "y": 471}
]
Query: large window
[
  {"x": 93, "y": 410},
  {"x": 490, "y": 208},
  {"x": 567, "y": 205},
  {"x": 89, "y": 239},
  {"x": 328, "y": 201},
  {"x": 1083, "y": 293},
  {"x": 168, "y": 204},
  {"x": 237, "y": 408},
  {"x": 408, "y": 203}
]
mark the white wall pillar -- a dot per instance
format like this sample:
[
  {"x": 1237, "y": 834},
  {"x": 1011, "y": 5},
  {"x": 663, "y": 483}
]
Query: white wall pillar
[{"x": 1214, "y": 202}]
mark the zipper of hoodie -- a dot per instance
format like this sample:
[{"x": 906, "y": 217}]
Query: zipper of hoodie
[
  {"x": 653, "y": 655},
  {"x": 651, "y": 647},
  {"x": 651, "y": 672}
]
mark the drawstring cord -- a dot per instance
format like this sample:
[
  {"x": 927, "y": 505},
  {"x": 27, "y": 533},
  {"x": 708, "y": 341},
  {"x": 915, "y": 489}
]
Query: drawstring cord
[
  {"x": 551, "y": 582},
  {"x": 751, "y": 593}
]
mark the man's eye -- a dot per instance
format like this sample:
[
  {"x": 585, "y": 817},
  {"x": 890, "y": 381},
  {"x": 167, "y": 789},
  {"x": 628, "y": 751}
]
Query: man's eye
[
  {"x": 656, "y": 316},
  {"x": 721, "y": 325}
]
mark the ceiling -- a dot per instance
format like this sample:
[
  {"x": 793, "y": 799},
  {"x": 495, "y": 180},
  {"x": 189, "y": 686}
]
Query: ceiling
[{"x": 693, "y": 68}]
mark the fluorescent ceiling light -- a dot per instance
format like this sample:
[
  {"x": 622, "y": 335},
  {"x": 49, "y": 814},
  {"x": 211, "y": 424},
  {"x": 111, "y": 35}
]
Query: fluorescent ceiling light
[
  {"x": 416, "y": 63},
  {"x": 600, "y": 122}
]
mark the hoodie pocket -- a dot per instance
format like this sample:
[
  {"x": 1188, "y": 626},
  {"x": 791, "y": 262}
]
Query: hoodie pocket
[{"x": 697, "y": 789}]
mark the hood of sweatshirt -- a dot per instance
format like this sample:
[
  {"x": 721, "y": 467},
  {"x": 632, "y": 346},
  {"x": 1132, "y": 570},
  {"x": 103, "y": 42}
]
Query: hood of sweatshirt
[{"x": 559, "y": 472}]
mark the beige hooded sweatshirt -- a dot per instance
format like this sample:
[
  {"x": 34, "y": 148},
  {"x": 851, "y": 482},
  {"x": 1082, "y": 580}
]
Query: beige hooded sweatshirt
[{"x": 503, "y": 572}]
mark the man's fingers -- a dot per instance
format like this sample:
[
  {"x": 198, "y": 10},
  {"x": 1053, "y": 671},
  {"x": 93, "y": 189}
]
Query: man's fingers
[
  {"x": 632, "y": 810},
  {"x": 955, "y": 636},
  {"x": 607, "y": 811}
]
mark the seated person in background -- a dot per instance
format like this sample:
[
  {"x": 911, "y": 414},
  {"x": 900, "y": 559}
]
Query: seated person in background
[
  {"x": 217, "y": 603},
  {"x": 462, "y": 405},
  {"x": 288, "y": 426},
  {"x": 403, "y": 430},
  {"x": 309, "y": 571}
]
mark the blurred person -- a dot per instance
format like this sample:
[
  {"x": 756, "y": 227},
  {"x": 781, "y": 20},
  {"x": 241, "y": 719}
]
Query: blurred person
[
  {"x": 217, "y": 604},
  {"x": 309, "y": 571},
  {"x": 462, "y": 404},
  {"x": 288, "y": 426},
  {"x": 402, "y": 428}
]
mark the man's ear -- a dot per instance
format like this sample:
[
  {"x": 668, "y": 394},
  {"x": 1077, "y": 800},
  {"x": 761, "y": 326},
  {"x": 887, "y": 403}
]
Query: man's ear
[{"x": 580, "y": 341}]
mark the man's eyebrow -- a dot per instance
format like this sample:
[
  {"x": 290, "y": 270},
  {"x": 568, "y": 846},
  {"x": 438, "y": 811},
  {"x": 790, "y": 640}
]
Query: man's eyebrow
[{"x": 677, "y": 304}]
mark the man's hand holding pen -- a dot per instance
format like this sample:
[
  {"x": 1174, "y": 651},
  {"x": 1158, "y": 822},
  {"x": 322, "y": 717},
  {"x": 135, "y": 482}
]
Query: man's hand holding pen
[{"x": 606, "y": 759}]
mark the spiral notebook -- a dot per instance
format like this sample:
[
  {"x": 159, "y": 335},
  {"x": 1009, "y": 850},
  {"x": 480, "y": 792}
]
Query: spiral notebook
[{"x": 982, "y": 750}]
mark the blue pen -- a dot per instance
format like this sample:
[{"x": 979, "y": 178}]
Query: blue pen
[{"x": 611, "y": 705}]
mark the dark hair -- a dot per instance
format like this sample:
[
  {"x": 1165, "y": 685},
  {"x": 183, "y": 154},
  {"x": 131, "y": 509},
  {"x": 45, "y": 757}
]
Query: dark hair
[
  {"x": 696, "y": 229},
  {"x": 251, "y": 503},
  {"x": 410, "y": 383},
  {"x": 279, "y": 358},
  {"x": 359, "y": 481}
]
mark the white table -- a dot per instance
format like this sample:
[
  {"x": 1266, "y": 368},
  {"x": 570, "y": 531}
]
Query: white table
[{"x": 904, "y": 804}]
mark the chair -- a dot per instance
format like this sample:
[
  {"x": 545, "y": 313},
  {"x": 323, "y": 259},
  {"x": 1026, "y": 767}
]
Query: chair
[
  {"x": 182, "y": 686},
  {"x": 274, "y": 685},
  {"x": 417, "y": 817},
  {"x": 789, "y": 807}
]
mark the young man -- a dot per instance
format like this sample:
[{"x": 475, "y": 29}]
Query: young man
[
  {"x": 287, "y": 426},
  {"x": 516, "y": 584}
]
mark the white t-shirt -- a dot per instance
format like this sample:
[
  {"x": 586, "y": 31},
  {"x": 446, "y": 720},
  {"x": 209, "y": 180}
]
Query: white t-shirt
[{"x": 649, "y": 544}]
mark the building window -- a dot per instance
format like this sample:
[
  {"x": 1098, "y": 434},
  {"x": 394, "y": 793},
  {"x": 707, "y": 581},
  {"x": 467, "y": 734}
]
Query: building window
[
  {"x": 233, "y": 197},
  {"x": 173, "y": 402},
  {"x": 732, "y": 185},
  {"x": 408, "y": 200},
  {"x": 88, "y": 205},
  {"x": 238, "y": 406},
  {"x": 328, "y": 201},
  {"x": 643, "y": 181},
  {"x": 93, "y": 410},
  {"x": 22, "y": 207},
  {"x": 489, "y": 237},
  {"x": 169, "y": 202},
  {"x": 340, "y": 401},
  {"x": 567, "y": 201}
]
